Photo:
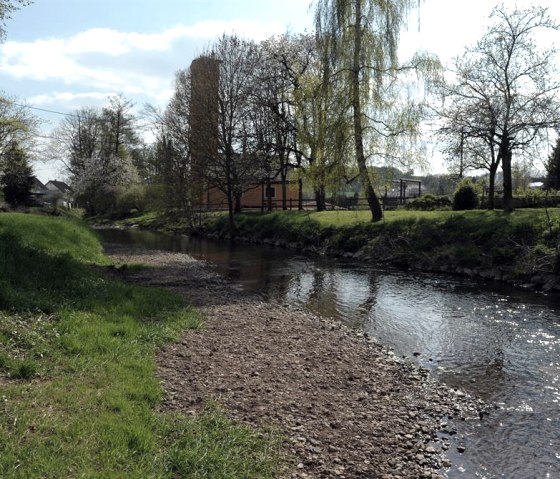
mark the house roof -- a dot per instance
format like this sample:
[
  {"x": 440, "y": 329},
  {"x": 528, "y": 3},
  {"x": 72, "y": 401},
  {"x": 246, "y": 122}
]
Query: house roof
[
  {"x": 37, "y": 185},
  {"x": 59, "y": 185}
]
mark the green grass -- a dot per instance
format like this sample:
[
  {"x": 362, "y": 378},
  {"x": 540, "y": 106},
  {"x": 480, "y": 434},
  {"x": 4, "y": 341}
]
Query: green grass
[
  {"x": 79, "y": 393},
  {"x": 519, "y": 244}
]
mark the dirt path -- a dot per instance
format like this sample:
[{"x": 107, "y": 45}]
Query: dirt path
[{"x": 347, "y": 407}]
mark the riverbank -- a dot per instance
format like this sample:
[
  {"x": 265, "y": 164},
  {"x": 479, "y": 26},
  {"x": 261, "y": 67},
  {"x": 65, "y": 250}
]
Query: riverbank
[
  {"x": 518, "y": 248},
  {"x": 345, "y": 406},
  {"x": 79, "y": 393}
]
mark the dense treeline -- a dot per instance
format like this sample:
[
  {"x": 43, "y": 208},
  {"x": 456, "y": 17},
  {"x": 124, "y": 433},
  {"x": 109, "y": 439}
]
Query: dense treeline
[{"x": 323, "y": 112}]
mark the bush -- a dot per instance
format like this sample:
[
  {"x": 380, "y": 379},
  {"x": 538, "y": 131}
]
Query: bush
[
  {"x": 429, "y": 203},
  {"x": 154, "y": 197},
  {"x": 131, "y": 200},
  {"x": 465, "y": 196}
]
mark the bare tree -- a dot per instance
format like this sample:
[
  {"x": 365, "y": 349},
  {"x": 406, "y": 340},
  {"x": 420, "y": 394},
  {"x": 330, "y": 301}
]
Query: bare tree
[
  {"x": 286, "y": 60},
  {"x": 505, "y": 92},
  {"x": 222, "y": 129}
]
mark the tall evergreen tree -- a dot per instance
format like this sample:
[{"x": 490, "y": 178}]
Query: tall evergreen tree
[
  {"x": 553, "y": 168},
  {"x": 17, "y": 176}
]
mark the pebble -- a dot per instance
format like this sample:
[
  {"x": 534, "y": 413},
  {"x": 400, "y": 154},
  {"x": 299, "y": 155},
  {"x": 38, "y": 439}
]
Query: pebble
[{"x": 357, "y": 400}]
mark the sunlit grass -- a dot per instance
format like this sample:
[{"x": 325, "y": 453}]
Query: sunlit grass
[{"x": 79, "y": 393}]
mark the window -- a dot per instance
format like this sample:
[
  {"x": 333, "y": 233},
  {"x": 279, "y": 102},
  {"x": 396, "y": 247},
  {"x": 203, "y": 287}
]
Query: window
[{"x": 270, "y": 192}]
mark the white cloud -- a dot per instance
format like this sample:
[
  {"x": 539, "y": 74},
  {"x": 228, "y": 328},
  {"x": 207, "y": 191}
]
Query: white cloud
[
  {"x": 67, "y": 97},
  {"x": 108, "y": 60}
]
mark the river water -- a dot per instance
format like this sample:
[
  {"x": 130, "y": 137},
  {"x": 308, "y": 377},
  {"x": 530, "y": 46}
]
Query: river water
[{"x": 496, "y": 343}]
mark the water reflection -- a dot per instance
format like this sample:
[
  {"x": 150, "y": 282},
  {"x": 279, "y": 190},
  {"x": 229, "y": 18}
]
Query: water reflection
[{"x": 494, "y": 342}]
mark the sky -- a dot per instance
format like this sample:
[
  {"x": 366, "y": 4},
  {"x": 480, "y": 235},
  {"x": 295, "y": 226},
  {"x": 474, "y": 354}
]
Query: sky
[{"x": 60, "y": 55}]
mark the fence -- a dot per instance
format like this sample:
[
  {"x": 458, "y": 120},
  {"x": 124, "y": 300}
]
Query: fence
[{"x": 390, "y": 198}]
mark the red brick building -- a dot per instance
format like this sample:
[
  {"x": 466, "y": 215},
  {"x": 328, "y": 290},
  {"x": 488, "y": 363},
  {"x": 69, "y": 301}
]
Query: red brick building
[{"x": 259, "y": 196}]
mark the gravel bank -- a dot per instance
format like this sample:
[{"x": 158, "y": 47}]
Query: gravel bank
[{"x": 346, "y": 406}]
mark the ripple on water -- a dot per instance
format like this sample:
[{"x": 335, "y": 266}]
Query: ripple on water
[{"x": 495, "y": 342}]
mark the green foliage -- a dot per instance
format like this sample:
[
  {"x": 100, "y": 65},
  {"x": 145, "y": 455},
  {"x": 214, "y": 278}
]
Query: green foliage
[
  {"x": 91, "y": 341},
  {"x": 131, "y": 200},
  {"x": 287, "y": 227},
  {"x": 465, "y": 196},
  {"x": 17, "y": 178},
  {"x": 553, "y": 168},
  {"x": 429, "y": 203},
  {"x": 154, "y": 196},
  {"x": 520, "y": 243}
]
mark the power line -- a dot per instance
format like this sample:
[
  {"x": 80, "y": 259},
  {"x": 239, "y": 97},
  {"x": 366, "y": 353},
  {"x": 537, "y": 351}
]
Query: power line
[{"x": 42, "y": 109}]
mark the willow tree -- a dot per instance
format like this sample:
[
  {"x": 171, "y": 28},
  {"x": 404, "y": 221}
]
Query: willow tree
[
  {"x": 322, "y": 122},
  {"x": 365, "y": 35}
]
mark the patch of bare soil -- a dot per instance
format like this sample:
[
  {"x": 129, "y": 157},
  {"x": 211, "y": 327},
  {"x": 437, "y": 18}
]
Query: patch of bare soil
[{"x": 346, "y": 406}]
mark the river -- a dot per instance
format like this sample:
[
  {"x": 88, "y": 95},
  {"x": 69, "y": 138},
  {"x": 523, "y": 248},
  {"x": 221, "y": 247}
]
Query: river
[{"x": 494, "y": 342}]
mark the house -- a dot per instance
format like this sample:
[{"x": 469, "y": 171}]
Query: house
[{"x": 58, "y": 193}]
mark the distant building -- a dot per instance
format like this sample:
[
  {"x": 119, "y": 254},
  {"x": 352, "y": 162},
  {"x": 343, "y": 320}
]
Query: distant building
[
  {"x": 205, "y": 77},
  {"x": 37, "y": 188},
  {"x": 58, "y": 193}
]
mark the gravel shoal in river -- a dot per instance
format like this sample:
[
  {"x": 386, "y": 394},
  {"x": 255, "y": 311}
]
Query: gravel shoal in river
[{"x": 347, "y": 407}]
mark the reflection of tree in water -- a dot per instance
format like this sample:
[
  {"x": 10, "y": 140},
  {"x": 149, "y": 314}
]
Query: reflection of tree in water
[
  {"x": 370, "y": 299},
  {"x": 495, "y": 369},
  {"x": 347, "y": 296}
]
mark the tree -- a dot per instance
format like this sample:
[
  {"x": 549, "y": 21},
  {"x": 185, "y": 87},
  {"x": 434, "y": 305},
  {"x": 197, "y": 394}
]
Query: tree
[
  {"x": 505, "y": 95},
  {"x": 365, "y": 35},
  {"x": 17, "y": 124},
  {"x": 553, "y": 168},
  {"x": 17, "y": 176},
  {"x": 468, "y": 136},
  {"x": 98, "y": 147},
  {"x": 223, "y": 145},
  {"x": 7, "y": 8},
  {"x": 273, "y": 111},
  {"x": 323, "y": 122},
  {"x": 174, "y": 146}
]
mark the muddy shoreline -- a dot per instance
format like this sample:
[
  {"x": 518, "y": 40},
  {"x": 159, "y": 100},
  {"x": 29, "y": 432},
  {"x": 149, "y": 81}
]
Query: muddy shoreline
[{"x": 346, "y": 406}]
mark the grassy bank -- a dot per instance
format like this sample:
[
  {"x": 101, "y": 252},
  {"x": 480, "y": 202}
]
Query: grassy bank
[
  {"x": 516, "y": 246},
  {"x": 79, "y": 393}
]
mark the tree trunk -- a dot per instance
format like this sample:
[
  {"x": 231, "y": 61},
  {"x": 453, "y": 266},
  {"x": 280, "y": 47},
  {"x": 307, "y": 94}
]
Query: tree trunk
[
  {"x": 268, "y": 196},
  {"x": 284, "y": 190},
  {"x": 506, "y": 168},
  {"x": 492, "y": 187},
  {"x": 231, "y": 217},
  {"x": 300, "y": 194},
  {"x": 373, "y": 201},
  {"x": 231, "y": 204},
  {"x": 320, "y": 198}
]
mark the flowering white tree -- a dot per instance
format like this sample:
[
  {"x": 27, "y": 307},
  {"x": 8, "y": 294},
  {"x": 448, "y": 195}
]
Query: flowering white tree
[{"x": 98, "y": 148}]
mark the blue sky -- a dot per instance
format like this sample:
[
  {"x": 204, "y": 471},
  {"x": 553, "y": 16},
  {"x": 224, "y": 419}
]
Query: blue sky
[{"x": 63, "y": 54}]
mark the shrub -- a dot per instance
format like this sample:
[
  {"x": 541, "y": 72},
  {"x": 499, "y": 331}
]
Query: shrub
[
  {"x": 465, "y": 196},
  {"x": 154, "y": 197},
  {"x": 130, "y": 200},
  {"x": 429, "y": 203}
]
